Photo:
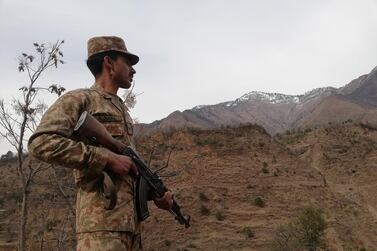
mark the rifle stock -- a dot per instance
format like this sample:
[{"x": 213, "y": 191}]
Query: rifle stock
[{"x": 147, "y": 181}]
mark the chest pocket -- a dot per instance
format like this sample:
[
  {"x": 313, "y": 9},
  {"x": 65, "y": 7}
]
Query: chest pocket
[
  {"x": 129, "y": 124},
  {"x": 113, "y": 123}
]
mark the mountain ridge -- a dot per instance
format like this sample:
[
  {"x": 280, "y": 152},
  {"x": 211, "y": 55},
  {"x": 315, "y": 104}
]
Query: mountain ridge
[{"x": 276, "y": 112}]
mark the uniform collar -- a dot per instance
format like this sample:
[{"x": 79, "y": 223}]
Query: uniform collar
[
  {"x": 114, "y": 98},
  {"x": 104, "y": 93}
]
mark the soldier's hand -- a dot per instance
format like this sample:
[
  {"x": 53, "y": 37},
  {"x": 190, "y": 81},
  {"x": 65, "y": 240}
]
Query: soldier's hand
[
  {"x": 165, "y": 202},
  {"x": 121, "y": 164}
]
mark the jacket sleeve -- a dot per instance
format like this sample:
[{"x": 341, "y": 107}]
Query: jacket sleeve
[{"x": 53, "y": 142}]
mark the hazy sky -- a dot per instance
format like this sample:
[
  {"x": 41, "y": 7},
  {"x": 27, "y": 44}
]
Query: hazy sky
[{"x": 199, "y": 51}]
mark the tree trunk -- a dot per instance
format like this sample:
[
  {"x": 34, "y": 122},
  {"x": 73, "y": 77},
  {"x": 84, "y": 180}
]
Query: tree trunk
[
  {"x": 42, "y": 242},
  {"x": 23, "y": 220}
]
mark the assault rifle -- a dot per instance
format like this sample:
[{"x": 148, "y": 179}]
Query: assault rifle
[{"x": 147, "y": 182}]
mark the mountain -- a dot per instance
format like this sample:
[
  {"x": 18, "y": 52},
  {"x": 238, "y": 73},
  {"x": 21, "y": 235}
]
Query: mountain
[{"x": 278, "y": 112}]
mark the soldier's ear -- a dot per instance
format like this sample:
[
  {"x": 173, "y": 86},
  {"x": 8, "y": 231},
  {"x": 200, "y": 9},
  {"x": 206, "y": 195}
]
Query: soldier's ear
[
  {"x": 107, "y": 60},
  {"x": 108, "y": 63}
]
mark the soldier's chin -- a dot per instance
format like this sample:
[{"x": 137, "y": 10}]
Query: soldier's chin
[{"x": 126, "y": 85}]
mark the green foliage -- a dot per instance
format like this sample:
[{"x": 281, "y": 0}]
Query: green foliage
[
  {"x": 207, "y": 141},
  {"x": 204, "y": 210},
  {"x": 220, "y": 216},
  {"x": 16, "y": 196},
  {"x": 259, "y": 202},
  {"x": 167, "y": 243},
  {"x": 302, "y": 233},
  {"x": 248, "y": 232},
  {"x": 250, "y": 186},
  {"x": 50, "y": 224},
  {"x": 307, "y": 130},
  {"x": 203, "y": 197},
  {"x": 289, "y": 141},
  {"x": 293, "y": 136},
  {"x": 192, "y": 246},
  {"x": 312, "y": 225}
]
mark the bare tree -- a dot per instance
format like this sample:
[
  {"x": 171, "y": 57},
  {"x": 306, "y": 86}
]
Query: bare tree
[
  {"x": 55, "y": 181},
  {"x": 160, "y": 167},
  {"x": 49, "y": 231},
  {"x": 20, "y": 118}
]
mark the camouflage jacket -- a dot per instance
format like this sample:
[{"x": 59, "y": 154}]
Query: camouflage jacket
[{"x": 54, "y": 142}]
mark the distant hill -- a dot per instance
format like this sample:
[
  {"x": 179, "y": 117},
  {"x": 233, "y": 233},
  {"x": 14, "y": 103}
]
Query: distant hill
[{"x": 279, "y": 112}]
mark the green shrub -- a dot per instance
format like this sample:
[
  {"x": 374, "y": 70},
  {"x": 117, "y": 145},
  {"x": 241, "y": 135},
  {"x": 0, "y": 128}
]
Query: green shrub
[
  {"x": 248, "y": 232},
  {"x": 16, "y": 196},
  {"x": 220, "y": 216},
  {"x": 259, "y": 202},
  {"x": 203, "y": 197},
  {"x": 192, "y": 246},
  {"x": 312, "y": 225},
  {"x": 250, "y": 186},
  {"x": 167, "y": 243},
  {"x": 204, "y": 210},
  {"x": 207, "y": 141},
  {"x": 50, "y": 224},
  {"x": 307, "y": 130},
  {"x": 304, "y": 232}
]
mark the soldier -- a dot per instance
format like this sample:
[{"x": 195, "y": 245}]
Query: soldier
[{"x": 54, "y": 142}]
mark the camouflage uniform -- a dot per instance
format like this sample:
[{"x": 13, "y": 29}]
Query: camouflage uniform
[{"x": 55, "y": 142}]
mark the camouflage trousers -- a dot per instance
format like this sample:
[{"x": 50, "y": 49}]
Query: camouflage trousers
[{"x": 109, "y": 241}]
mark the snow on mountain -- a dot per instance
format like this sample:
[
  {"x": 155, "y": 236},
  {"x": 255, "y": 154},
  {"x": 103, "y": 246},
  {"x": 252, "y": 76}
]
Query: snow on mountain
[
  {"x": 279, "y": 98},
  {"x": 318, "y": 92},
  {"x": 276, "y": 98},
  {"x": 273, "y": 98},
  {"x": 198, "y": 107}
]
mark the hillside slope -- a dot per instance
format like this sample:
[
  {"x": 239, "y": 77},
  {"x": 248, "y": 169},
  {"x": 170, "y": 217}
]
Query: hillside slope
[
  {"x": 231, "y": 169},
  {"x": 218, "y": 175},
  {"x": 345, "y": 154}
]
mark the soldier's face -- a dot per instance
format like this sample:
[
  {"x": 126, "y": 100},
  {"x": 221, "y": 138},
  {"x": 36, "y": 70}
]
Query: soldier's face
[{"x": 123, "y": 72}]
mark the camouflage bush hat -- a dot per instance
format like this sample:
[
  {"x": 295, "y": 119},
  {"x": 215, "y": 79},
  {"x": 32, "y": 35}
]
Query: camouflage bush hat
[{"x": 110, "y": 43}]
